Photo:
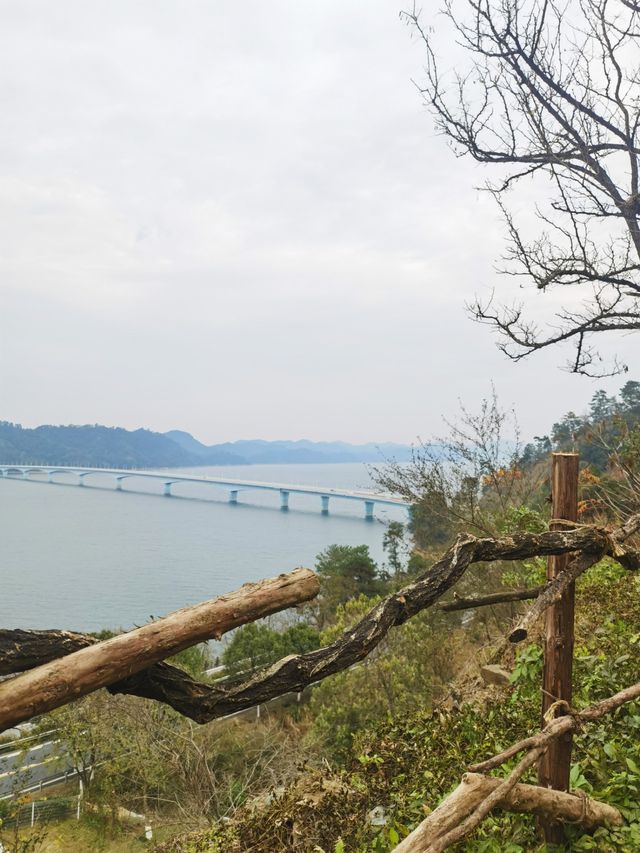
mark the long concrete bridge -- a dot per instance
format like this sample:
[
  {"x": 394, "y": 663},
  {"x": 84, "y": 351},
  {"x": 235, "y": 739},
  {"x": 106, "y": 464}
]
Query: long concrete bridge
[{"x": 234, "y": 487}]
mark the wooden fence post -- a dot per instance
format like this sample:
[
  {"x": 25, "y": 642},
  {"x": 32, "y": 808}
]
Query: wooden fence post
[{"x": 555, "y": 764}]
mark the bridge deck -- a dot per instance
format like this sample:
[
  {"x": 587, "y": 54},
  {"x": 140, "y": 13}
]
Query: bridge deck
[{"x": 168, "y": 477}]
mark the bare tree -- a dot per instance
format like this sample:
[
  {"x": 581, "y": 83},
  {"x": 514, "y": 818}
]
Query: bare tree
[
  {"x": 552, "y": 95},
  {"x": 469, "y": 478}
]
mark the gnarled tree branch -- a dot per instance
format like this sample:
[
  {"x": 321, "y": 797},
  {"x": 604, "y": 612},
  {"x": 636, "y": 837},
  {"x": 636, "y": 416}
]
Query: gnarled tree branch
[{"x": 205, "y": 702}]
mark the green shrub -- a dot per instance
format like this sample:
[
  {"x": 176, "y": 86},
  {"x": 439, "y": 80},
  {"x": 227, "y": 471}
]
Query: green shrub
[{"x": 408, "y": 763}]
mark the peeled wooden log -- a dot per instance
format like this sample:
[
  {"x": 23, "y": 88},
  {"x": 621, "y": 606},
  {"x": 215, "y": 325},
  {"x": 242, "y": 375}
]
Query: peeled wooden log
[
  {"x": 476, "y": 788},
  {"x": 462, "y": 828},
  {"x": 68, "y": 678}
]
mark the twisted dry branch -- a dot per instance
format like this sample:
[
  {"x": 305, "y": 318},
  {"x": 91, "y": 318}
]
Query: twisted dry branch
[
  {"x": 493, "y": 598},
  {"x": 201, "y": 702}
]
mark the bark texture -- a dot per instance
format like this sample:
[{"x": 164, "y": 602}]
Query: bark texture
[
  {"x": 98, "y": 665},
  {"x": 554, "y": 766},
  {"x": 21, "y": 650},
  {"x": 493, "y": 598}
]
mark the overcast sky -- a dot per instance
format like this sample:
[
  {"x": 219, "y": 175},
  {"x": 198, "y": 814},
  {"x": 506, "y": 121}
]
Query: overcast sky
[{"x": 237, "y": 219}]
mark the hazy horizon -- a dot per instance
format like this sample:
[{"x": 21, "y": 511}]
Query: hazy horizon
[
  {"x": 244, "y": 224},
  {"x": 226, "y": 441}
]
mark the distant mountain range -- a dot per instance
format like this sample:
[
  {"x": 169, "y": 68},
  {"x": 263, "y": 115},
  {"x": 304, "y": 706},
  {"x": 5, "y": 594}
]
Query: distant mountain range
[{"x": 96, "y": 445}]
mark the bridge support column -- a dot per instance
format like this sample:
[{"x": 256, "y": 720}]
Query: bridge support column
[
  {"x": 25, "y": 475},
  {"x": 284, "y": 500},
  {"x": 81, "y": 479},
  {"x": 119, "y": 484},
  {"x": 325, "y": 504},
  {"x": 233, "y": 496},
  {"x": 49, "y": 476},
  {"x": 167, "y": 490},
  {"x": 368, "y": 510}
]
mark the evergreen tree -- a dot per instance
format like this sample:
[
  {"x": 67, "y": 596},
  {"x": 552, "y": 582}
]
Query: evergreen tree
[
  {"x": 393, "y": 545},
  {"x": 630, "y": 398},
  {"x": 565, "y": 432},
  {"x": 601, "y": 407}
]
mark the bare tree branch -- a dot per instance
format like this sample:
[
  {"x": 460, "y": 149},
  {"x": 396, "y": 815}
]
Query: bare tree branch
[
  {"x": 552, "y": 92},
  {"x": 493, "y": 598}
]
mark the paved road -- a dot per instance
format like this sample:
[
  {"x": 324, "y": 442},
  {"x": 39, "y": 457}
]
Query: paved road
[
  {"x": 23, "y": 765},
  {"x": 35, "y": 762}
]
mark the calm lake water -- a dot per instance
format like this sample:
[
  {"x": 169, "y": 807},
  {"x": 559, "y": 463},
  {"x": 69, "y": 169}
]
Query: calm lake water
[{"x": 90, "y": 558}]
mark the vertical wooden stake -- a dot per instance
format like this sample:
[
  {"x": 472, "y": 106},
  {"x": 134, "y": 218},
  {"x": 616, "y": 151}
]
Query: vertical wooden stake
[{"x": 555, "y": 764}]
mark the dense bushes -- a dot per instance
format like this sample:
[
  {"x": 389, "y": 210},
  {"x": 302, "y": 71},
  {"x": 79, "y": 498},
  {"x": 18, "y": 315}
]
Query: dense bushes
[{"x": 408, "y": 762}]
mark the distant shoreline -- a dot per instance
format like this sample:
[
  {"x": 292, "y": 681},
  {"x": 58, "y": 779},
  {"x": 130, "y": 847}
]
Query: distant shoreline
[{"x": 100, "y": 446}]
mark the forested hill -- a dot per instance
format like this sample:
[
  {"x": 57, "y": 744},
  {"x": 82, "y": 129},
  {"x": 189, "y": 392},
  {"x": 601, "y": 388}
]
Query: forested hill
[
  {"x": 595, "y": 433},
  {"x": 260, "y": 452},
  {"x": 96, "y": 445},
  {"x": 93, "y": 446}
]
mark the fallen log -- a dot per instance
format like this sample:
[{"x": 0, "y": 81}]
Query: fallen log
[
  {"x": 475, "y": 789},
  {"x": 493, "y": 799},
  {"x": 68, "y": 678},
  {"x": 205, "y": 702}
]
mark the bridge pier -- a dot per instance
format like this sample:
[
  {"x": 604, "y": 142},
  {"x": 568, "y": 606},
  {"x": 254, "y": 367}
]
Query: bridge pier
[
  {"x": 284, "y": 500},
  {"x": 25, "y": 474},
  {"x": 233, "y": 496},
  {"x": 368, "y": 510},
  {"x": 81, "y": 479},
  {"x": 167, "y": 490},
  {"x": 325, "y": 504}
]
